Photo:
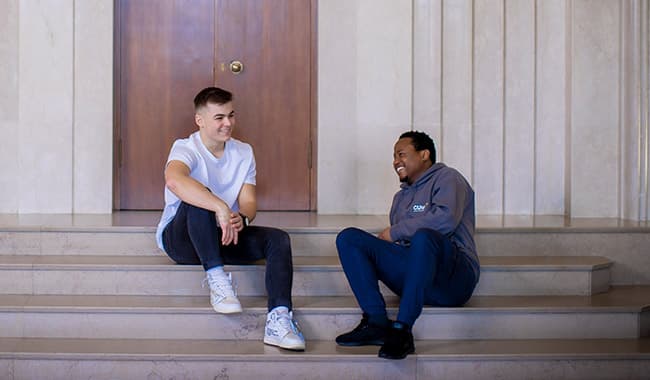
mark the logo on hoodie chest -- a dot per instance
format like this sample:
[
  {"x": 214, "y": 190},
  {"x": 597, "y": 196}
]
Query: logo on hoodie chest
[{"x": 419, "y": 208}]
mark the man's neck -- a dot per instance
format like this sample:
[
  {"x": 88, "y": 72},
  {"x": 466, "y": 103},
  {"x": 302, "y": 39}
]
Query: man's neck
[{"x": 216, "y": 148}]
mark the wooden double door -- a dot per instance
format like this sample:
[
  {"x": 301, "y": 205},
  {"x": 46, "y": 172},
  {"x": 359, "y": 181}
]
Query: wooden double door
[{"x": 261, "y": 50}]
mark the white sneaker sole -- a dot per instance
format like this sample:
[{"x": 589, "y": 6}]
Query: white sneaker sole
[
  {"x": 227, "y": 308},
  {"x": 297, "y": 346}
]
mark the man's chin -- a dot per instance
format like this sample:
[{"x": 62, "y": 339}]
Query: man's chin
[{"x": 404, "y": 179}]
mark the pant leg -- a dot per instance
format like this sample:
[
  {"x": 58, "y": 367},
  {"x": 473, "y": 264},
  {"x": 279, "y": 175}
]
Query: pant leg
[
  {"x": 273, "y": 245},
  {"x": 192, "y": 237},
  {"x": 438, "y": 275},
  {"x": 366, "y": 259}
]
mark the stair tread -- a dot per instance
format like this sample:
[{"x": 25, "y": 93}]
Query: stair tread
[
  {"x": 235, "y": 349},
  {"x": 300, "y": 262},
  {"x": 619, "y": 298}
]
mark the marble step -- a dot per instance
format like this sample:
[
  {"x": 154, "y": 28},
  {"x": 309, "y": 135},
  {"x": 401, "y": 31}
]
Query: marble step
[
  {"x": 71, "y": 359},
  {"x": 313, "y": 276},
  {"x": 132, "y": 234},
  {"x": 620, "y": 313}
]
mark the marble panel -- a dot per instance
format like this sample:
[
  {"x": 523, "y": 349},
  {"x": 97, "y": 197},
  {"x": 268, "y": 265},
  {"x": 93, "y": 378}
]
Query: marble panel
[
  {"x": 45, "y": 106},
  {"x": 337, "y": 107},
  {"x": 228, "y": 368},
  {"x": 533, "y": 369},
  {"x": 383, "y": 66},
  {"x": 9, "y": 105},
  {"x": 488, "y": 105},
  {"x": 10, "y": 171},
  {"x": 89, "y": 243},
  {"x": 7, "y": 369},
  {"x": 145, "y": 325},
  {"x": 16, "y": 281},
  {"x": 384, "y": 77},
  {"x": 427, "y": 67},
  {"x": 456, "y": 145},
  {"x": 9, "y": 63},
  {"x": 519, "y": 114},
  {"x": 20, "y": 243},
  {"x": 527, "y": 325},
  {"x": 600, "y": 281},
  {"x": 93, "y": 106},
  {"x": 534, "y": 283},
  {"x": 595, "y": 145},
  {"x": 121, "y": 282},
  {"x": 627, "y": 250},
  {"x": 552, "y": 120},
  {"x": 630, "y": 132}
]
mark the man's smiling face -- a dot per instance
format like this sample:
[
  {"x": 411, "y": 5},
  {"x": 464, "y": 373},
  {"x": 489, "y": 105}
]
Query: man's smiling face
[{"x": 409, "y": 164}]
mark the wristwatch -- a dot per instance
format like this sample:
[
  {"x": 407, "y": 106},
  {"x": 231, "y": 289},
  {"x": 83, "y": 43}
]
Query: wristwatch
[{"x": 244, "y": 219}]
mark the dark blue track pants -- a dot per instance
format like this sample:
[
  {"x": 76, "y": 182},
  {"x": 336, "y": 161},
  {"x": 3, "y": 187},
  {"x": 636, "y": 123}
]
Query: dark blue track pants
[
  {"x": 431, "y": 271},
  {"x": 194, "y": 237}
]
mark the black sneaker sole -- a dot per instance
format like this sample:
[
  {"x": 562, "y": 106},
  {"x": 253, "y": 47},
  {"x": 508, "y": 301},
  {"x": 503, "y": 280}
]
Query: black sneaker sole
[
  {"x": 358, "y": 344},
  {"x": 387, "y": 356}
]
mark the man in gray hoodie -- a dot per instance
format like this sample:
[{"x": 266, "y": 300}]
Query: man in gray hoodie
[{"x": 427, "y": 256}]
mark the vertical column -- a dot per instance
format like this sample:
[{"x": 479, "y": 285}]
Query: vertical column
[
  {"x": 384, "y": 77},
  {"x": 457, "y": 85},
  {"x": 45, "y": 106},
  {"x": 9, "y": 106},
  {"x": 551, "y": 106},
  {"x": 595, "y": 143},
  {"x": 427, "y": 68},
  {"x": 488, "y": 105},
  {"x": 338, "y": 178},
  {"x": 519, "y": 149},
  {"x": 93, "y": 106}
]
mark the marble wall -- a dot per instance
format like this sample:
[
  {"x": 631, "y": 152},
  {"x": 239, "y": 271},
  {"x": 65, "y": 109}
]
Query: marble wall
[
  {"x": 56, "y": 102},
  {"x": 543, "y": 105}
]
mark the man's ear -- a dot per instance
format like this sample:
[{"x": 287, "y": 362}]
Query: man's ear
[
  {"x": 425, "y": 154},
  {"x": 198, "y": 120}
]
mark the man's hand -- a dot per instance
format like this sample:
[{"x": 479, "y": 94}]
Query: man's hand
[
  {"x": 237, "y": 221},
  {"x": 385, "y": 235},
  {"x": 228, "y": 230}
]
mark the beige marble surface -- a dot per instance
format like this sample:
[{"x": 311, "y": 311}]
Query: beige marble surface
[{"x": 312, "y": 220}]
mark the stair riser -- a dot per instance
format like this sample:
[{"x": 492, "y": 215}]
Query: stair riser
[
  {"x": 128, "y": 323},
  {"x": 298, "y": 367},
  {"x": 250, "y": 282},
  {"x": 627, "y": 249}
]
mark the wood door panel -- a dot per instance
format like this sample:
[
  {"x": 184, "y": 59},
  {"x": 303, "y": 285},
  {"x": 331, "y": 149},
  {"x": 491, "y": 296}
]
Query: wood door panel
[
  {"x": 272, "y": 94},
  {"x": 166, "y": 57},
  {"x": 167, "y": 50}
]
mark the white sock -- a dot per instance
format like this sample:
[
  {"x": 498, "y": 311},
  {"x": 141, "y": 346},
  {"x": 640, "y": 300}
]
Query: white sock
[
  {"x": 216, "y": 270},
  {"x": 279, "y": 310}
]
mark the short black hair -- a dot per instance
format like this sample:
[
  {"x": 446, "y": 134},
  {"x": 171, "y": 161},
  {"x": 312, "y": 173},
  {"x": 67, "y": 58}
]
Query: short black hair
[
  {"x": 213, "y": 95},
  {"x": 421, "y": 141}
]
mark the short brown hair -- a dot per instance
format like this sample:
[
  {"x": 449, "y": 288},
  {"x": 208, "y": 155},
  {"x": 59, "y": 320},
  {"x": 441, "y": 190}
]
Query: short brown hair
[{"x": 213, "y": 95}]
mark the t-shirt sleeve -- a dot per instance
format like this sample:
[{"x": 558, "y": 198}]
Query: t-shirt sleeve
[
  {"x": 181, "y": 152},
  {"x": 252, "y": 171}
]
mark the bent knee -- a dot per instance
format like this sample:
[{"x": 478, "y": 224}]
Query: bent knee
[{"x": 347, "y": 236}]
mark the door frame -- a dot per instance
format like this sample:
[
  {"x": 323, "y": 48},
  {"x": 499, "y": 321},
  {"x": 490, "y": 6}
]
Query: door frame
[{"x": 313, "y": 130}]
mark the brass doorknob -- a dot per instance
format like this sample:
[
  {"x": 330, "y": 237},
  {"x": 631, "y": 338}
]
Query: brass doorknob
[{"x": 236, "y": 67}]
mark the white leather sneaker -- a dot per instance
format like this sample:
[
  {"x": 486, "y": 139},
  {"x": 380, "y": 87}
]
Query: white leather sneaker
[
  {"x": 222, "y": 296},
  {"x": 283, "y": 331}
]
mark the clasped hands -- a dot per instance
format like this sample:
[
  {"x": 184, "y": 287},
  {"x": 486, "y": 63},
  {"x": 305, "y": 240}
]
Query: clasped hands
[{"x": 231, "y": 223}]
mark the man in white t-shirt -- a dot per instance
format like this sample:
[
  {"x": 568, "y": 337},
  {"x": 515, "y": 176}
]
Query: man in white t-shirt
[{"x": 209, "y": 202}]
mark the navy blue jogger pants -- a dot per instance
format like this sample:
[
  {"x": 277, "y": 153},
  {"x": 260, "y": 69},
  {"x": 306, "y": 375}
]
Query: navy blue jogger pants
[{"x": 431, "y": 271}]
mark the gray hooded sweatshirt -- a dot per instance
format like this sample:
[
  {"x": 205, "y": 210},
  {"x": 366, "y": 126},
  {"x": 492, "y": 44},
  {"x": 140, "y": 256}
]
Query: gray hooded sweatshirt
[{"x": 441, "y": 200}]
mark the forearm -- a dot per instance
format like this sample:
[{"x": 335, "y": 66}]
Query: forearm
[{"x": 193, "y": 192}]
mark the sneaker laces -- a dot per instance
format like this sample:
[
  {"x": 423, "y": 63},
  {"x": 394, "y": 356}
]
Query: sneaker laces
[
  {"x": 287, "y": 323},
  {"x": 222, "y": 284}
]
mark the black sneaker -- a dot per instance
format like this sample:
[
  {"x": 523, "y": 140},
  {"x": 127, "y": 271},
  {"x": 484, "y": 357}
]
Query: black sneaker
[
  {"x": 364, "y": 334},
  {"x": 399, "y": 342}
]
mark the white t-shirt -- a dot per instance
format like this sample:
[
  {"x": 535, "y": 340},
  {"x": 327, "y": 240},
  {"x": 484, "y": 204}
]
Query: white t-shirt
[{"x": 224, "y": 176}]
